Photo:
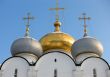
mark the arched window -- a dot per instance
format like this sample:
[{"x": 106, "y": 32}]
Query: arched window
[
  {"x": 55, "y": 73},
  {"x": 16, "y": 72},
  {"x": 94, "y": 73},
  {"x": 55, "y": 60}
]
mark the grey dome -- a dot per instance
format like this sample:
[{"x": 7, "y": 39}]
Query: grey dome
[
  {"x": 87, "y": 45},
  {"x": 26, "y": 45}
]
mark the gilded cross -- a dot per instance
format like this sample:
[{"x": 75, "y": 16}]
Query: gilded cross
[
  {"x": 28, "y": 18},
  {"x": 85, "y": 25},
  {"x": 57, "y": 10}
]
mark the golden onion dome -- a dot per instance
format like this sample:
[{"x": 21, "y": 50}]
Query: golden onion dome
[{"x": 57, "y": 40}]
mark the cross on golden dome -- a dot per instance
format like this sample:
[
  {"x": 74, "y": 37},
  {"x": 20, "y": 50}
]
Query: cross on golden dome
[
  {"x": 28, "y": 18},
  {"x": 57, "y": 24},
  {"x": 85, "y": 25},
  {"x": 57, "y": 10}
]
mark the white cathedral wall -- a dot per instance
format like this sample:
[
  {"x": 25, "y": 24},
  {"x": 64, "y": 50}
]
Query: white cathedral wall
[
  {"x": 108, "y": 73},
  {"x": 0, "y": 73},
  {"x": 60, "y": 62},
  {"x": 8, "y": 68},
  {"x": 48, "y": 63},
  {"x": 98, "y": 64},
  {"x": 32, "y": 72}
]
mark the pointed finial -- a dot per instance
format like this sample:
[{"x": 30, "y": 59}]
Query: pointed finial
[
  {"x": 28, "y": 18},
  {"x": 85, "y": 25},
  {"x": 57, "y": 24}
]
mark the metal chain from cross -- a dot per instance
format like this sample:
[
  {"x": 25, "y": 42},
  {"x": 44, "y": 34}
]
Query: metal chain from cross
[
  {"x": 28, "y": 18},
  {"x": 57, "y": 10},
  {"x": 85, "y": 25}
]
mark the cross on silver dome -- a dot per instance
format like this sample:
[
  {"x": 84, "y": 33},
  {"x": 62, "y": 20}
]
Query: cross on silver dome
[{"x": 85, "y": 25}]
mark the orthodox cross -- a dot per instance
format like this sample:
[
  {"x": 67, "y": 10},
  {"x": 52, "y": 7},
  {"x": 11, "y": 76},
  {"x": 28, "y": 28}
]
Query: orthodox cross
[
  {"x": 85, "y": 25},
  {"x": 57, "y": 10},
  {"x": 16, "y": 73},
  {"x": 55, "y": 73},
  {"x": 28, "y": 18}
]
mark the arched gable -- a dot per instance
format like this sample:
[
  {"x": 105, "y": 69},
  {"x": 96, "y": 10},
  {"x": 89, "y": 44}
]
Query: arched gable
[
  {"x": 55, "y": 64},
  {"x": 15, "y": 67},
  {"x": 94, "y": 67}
]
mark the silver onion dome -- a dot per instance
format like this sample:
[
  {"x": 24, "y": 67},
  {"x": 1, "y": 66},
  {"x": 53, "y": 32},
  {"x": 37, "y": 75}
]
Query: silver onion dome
[
  {"x": 87, "y": 45},
  {"x": 26, "y": 45}
]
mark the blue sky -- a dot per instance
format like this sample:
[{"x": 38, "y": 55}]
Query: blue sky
[{"x": 12, "y": 25}]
